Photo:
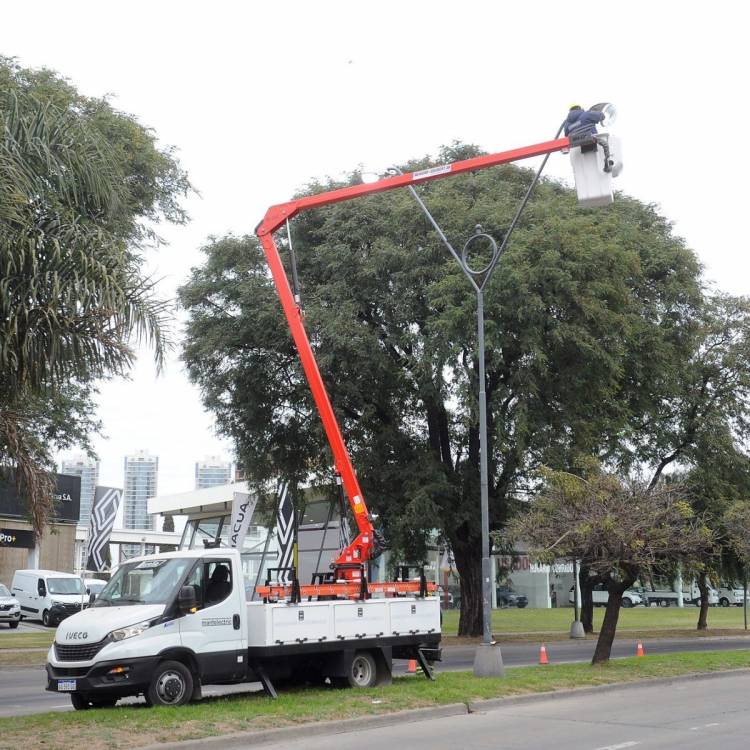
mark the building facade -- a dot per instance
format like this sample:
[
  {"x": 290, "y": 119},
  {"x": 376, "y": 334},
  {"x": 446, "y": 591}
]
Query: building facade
[
  {"x": 139, "y": 484},
  {"x": 88, "y": 469},
  {"x": 212, "y": 471},
  {"x": 18, "y": 547}
]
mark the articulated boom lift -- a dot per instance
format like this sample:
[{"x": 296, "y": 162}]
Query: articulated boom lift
[{"x": 350, "y": 562}]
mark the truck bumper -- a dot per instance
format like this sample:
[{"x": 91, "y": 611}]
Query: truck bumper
[{"x": 105, "y": 679}]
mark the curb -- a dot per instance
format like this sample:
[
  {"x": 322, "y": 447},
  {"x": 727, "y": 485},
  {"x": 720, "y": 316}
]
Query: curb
[
  {"x": 266, "y": 736},
  {"x": 246, "y": 739}
]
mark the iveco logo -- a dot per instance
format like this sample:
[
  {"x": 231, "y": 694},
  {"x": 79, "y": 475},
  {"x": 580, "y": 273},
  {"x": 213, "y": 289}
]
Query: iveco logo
[{"x": 76, "y": 636}]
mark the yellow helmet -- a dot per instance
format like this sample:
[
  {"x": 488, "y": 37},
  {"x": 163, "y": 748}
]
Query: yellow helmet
[{"x": 575, "y": 106}]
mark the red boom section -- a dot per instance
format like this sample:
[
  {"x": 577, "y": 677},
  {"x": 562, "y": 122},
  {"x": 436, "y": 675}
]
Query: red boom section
[{"x": 361, "y": 548}]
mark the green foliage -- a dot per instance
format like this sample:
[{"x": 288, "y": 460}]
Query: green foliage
[
  {"x": 585, "y": 316},
  {"x": 80, "y": 186}
]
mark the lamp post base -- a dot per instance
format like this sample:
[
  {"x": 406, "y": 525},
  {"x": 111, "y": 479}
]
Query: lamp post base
[
  {"x": 488, "y": 661},
  {"x": 576, "y": 630}
]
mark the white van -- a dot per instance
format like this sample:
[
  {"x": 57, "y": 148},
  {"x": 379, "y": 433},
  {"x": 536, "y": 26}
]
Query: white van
[{"x": 48, "y": 595}]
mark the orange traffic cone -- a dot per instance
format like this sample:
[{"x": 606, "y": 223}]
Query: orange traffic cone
[
  {"x": 543, "y": 655},
  {"x": 412, "y": 666},
  {"x": 639, "y": 650}
]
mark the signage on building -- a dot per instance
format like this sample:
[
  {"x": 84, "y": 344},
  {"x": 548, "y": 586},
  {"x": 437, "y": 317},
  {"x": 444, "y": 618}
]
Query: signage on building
[
  {"x": 16, "y": 538},
  {"x": 67, "y": 499}
]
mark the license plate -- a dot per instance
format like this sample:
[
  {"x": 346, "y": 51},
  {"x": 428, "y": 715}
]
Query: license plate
[{"x": 66, "y": 685}]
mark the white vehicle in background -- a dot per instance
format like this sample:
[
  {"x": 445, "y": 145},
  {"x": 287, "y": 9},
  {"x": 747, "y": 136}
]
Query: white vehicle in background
[
  {"x": 731, "y": 594},
  {"x": 630, "y": 598},
  {"x": 48, "y": 595},
  {"x": 691, "y": 594},
  {"x": 93, "y": 586},
  {"x": 10, "y": 609}
]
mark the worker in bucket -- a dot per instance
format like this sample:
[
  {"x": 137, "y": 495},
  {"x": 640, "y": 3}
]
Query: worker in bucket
[{"x": 580, "y": 127}]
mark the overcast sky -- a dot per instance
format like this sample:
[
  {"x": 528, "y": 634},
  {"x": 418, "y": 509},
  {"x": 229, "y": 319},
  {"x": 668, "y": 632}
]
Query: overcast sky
[{"x": 259, "y": 97}]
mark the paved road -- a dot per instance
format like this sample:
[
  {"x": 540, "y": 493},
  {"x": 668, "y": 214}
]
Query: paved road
[
  {"x": 22, "y": 690},
  {"x": 680, "y": 716}
]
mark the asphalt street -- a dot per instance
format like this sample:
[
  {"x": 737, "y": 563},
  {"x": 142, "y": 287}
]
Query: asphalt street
[
  {"x": 680, "y": 716},
  {"x": 22, "y": 689}
]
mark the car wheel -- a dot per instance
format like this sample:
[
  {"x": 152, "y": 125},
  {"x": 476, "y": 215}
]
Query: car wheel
[
  {"x": 627, "y": 603},
  {"x": 171, "y": 685},
  {"x": 13, "y": 625},
  {"x": 521, "y": 605},
  {"x": 363, "y": 672},
  {"x": 79, "y": 702},
  {"x": 45, "y": 619},
  {"x": 724, "y": 602}
]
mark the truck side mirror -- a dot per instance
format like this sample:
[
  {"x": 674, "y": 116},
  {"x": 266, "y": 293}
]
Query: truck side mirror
[
  {"x": 41, "y": 589},
  {"x": 186, "y": 599},
  {"x": 92, "y": 598}
]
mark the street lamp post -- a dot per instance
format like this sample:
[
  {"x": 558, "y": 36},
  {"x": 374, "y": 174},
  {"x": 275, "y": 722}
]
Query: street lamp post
[{"x": 488, "y": 660}]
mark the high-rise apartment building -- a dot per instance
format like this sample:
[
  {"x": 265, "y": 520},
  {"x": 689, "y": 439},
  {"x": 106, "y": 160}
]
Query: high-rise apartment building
[
  {"x": 88, "y": 469},
  {"x": 141, "y": 472},
  {"x": 212, "y": 471}
]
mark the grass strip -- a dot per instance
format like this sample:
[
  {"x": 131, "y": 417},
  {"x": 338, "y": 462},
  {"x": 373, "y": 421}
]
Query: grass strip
[
  {"x": 37, "y": 639},
  {"x": 137, "y": 726}
]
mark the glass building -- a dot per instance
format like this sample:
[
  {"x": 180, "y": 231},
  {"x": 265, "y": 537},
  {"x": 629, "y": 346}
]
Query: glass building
[
  {"x": 211, "y": 472},
  {"x": 141, "y": 472},
  {"x": 88, "y": 469}
]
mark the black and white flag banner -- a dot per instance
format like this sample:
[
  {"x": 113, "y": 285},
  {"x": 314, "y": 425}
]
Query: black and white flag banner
[
  {"x": 243, "y": 506},
  {"x": 103, "y": 513},
  {"x": 285, "y": 527}
]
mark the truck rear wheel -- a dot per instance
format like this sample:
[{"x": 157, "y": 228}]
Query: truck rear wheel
[
  {"x": 363, "y": 672},
  {"x": 724, "y": 602},
  {"x": 171, "y": 685}
]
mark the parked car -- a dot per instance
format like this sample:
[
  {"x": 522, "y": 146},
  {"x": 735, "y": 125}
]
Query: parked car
[
  {"x": 630, "y": 598},
  {"x": 506, "y": 597},
  {"x": 48, "y": 595},
  {"x": 10, "y": 609},
  {"x": 731, "y": 594}
]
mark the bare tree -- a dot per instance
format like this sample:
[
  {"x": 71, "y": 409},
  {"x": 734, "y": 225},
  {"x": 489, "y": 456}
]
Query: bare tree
[{"x": 619, "y": 528}]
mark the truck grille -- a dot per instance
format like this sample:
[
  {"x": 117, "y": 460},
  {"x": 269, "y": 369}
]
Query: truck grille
[{"x": 78, "y": 651}]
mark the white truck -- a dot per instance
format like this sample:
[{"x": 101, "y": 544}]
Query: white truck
[
  {"x": 167, "y": 624},
  {"x": 731, "y": 594},
  {"x": 690, "y": 595}
]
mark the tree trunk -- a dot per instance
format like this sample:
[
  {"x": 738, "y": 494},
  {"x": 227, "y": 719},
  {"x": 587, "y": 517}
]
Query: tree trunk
[
  {"x": 586, "y": 583},
  {"x": 469, "y": 565},
  {"x": 609, "y": 627},
  {"x": 703, "y": 615}
]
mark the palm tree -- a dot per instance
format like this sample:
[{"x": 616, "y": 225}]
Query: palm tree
[{"x": 73, "y": 299}]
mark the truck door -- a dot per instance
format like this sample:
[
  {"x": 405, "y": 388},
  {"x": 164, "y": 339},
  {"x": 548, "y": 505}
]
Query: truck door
[{"x": 215, "y": 631}]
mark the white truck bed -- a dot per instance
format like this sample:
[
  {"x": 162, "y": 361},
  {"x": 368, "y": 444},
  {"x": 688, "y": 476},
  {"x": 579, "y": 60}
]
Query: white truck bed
[{"x": 330, "y": 621}]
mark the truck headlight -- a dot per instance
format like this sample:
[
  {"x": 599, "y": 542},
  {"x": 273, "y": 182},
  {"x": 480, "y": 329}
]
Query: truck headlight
[{"x": 130, "y": 631}]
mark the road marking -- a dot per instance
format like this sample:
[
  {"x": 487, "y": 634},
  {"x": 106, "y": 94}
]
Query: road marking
[
  {"x": 705, "y": 726},
  {"x": 619, "y": 746}
]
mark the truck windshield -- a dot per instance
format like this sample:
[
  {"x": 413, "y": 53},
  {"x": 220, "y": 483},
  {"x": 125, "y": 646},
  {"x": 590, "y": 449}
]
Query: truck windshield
[
  {"x": 145, "y": 582},
  {"x": 64, "y": 586}
]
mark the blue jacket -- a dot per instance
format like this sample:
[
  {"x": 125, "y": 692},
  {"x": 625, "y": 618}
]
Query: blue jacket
[{"x": 583, "y": 122}]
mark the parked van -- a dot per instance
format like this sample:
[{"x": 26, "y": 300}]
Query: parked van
[
  {"x": 600, "y": 595},
  {"x": 94, "y": 585},
  {"x": 48, "y": 595}
]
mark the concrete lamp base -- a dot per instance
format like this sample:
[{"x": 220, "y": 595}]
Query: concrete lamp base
[
  {"x": 488, "y": 661},
  {"x": 576, "y": 630}
]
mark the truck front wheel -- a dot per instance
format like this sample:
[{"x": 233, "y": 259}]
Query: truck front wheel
[
  {"x": 363, "y": 672},
  {"x": 171, "y": 685}
]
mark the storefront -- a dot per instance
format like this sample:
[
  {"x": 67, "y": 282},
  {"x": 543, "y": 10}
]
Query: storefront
[{"x": 56, "y": 549}]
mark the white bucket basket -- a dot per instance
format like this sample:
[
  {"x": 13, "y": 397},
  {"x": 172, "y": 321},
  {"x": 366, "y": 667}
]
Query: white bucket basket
[{"x": 593, "y": 184}]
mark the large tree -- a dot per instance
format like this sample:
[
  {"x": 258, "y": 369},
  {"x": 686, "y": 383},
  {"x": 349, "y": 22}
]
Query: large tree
[
  {"x": 81, "y": 186},
  {"x": 583, "y": 314}
]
